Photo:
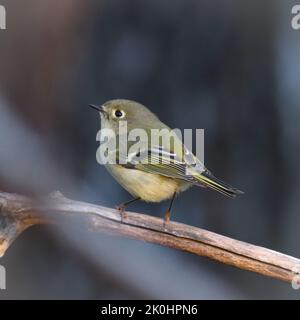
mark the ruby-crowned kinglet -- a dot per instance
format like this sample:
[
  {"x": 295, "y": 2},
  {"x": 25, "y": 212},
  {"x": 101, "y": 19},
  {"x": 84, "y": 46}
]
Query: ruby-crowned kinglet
[{"x": 163, "y": 169}]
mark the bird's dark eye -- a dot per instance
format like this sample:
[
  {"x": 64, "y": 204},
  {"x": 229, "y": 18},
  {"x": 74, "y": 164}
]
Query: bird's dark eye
[{"x": 118, "y": 113}]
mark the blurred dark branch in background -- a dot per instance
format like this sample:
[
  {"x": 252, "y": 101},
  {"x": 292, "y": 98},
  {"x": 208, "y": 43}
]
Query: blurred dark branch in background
[{"x": 17, "y": 213}]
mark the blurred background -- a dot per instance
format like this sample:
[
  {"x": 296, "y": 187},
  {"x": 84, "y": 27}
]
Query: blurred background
[{"x": 231, "y": 66}]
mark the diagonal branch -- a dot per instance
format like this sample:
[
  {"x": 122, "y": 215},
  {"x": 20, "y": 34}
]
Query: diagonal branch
[{"x": 17, "y": 213}]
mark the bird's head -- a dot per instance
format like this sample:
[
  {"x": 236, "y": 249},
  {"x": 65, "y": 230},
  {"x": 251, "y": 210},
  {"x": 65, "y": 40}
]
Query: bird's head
[{"x": 135, "y": 114}]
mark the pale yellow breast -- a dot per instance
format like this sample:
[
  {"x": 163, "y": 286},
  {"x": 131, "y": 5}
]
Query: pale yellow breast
[{"x": 149, "y": 187}]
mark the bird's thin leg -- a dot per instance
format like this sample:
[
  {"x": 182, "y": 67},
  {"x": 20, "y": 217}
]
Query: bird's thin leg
[
  {"x": 168, "y": 213},
  {"x": 122, "y": 207}
]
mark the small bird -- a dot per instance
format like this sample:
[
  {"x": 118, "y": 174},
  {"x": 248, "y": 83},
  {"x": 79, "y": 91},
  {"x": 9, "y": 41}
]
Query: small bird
[{"x": 175, "y": 169}]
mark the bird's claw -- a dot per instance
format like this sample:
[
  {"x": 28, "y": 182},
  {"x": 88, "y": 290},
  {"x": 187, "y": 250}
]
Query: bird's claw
[
  {"x": 167, "y": 219},
  {"x": 122, "y": 210}
]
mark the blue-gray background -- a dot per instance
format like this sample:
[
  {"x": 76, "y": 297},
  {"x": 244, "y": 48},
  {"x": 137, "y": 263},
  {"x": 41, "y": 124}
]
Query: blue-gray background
[{"x": 228, "y": 66}]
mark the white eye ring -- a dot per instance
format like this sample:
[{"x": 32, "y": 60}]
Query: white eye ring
[{"x": 119, "y": 114}]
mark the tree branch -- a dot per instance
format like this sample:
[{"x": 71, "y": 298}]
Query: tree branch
[{"x": 17, "y": 213}]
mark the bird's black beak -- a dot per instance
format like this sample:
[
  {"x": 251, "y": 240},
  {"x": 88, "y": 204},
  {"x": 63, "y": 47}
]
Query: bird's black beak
[{"x": 98, "y": 108}]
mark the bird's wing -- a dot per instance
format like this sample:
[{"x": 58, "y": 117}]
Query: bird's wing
[
  {"x": 174, "y": 162},
  {"x": 169, "y": 157}
]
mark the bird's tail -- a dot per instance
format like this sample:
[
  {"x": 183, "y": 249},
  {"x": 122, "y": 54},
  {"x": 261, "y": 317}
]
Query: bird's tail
[{"x": 207, "y": 179}]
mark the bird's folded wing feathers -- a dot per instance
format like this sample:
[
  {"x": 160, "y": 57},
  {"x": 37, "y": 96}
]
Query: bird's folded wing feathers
[
  {"x": 169, "y": 165},
  {"x": 158, "y": 160}
]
